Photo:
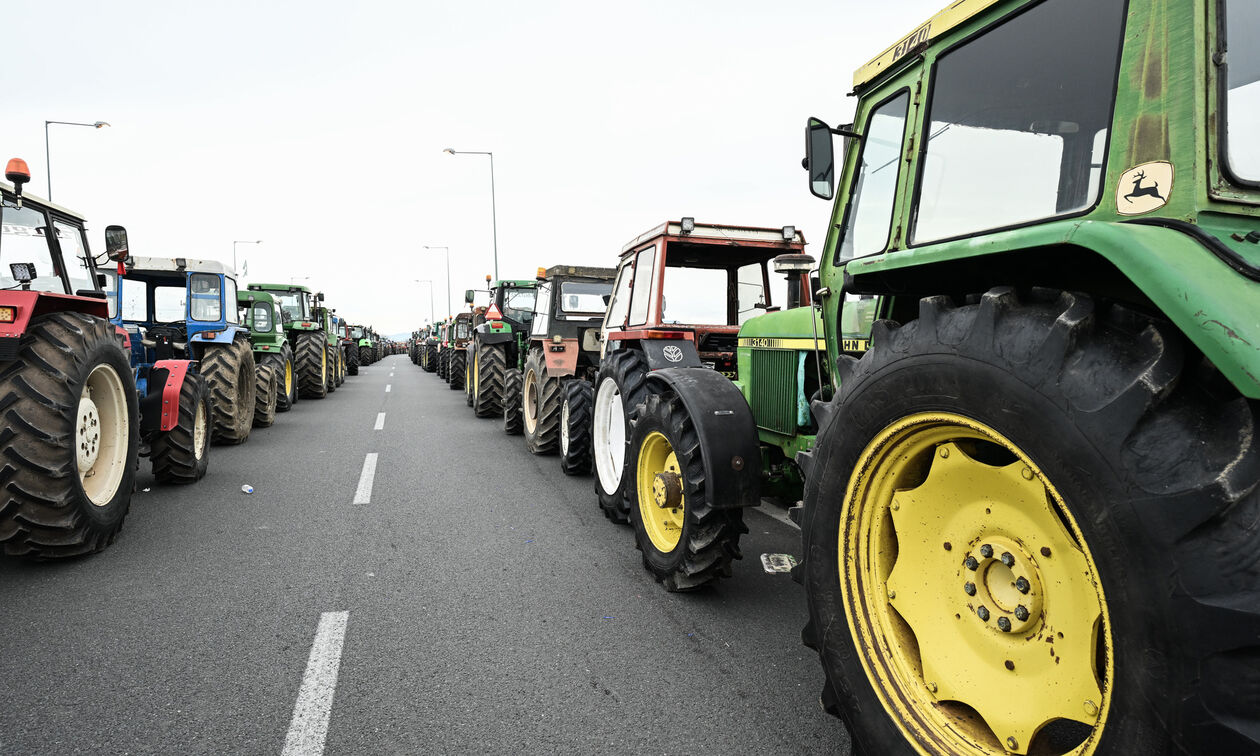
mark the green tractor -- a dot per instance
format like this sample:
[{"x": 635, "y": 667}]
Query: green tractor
[
  {"x": 496, "y": 352},
  {"x": 457, "y": 336},
  {"x": 427, "y": 348},
  {"x": 336, "y": 358},
  {"x": 261, "y": 315},
  {"x": 299, "y": 316},
  {"x": 367, "y": 346}
]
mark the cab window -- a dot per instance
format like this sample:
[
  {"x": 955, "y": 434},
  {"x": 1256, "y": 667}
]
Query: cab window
[
  {"x": 233, "y": 315},
  {"x": 542, "y": 311},
  {"x": 871, "y": 208},
  {"x": 74, "y": 255},
  {"x": 24, "y": 239},
  {"x": 619, "y": 305},
  {"x": 641, "y": 294},
  {"x": 206, "y": 297},
  {"x": 168, "y": 304},
  {"x": 750, "y": 282},
  {"x": 262, "y": 317}
]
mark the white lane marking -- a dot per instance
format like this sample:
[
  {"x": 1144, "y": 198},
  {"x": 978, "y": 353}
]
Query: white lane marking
[
  {"x": 775, "y": 512},
  {"x": 309, "y": 727},
  {"x": 363, "y": 494},
  {"x": 380, "y": 421},
  {"x": 387, "y": 387}
]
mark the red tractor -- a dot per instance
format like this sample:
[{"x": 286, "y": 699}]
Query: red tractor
[{"x": 73, "y": 427}]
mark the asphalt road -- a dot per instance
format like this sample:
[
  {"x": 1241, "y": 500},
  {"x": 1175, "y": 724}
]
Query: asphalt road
[{"x": 476, "y": 602}]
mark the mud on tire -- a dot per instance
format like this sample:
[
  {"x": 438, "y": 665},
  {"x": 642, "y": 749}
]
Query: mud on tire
[
  {"x": 1154, "y": 456},
  {"x": 229, "y": 373},
  {"x": 45, "y": 509},
  {"x": 311, "y": 361},
  {"x": 182, "y": 454},
  {"x": 575, "y": 427}
]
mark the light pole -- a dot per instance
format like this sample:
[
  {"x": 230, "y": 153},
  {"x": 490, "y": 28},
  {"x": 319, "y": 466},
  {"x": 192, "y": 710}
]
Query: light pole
[
  {"x": 47, "y": 154},
  {"x": 494, "y": 223},
  {"x": 234, "y": 252},
  {"x": 447, "y": 250},
  {"x": 430, "y": 283}
]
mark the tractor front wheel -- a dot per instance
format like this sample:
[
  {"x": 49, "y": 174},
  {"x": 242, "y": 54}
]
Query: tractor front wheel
[
  {"x": 489, "y": 364},
  {"x": 1022, "y": 517},
  {"x": 286, "y": 379},
  {"x": 365, "y": 356},
  {"x": 330, "y": 354},
  {"x": 455, "y": 369},
  {"x": 512, "y": 421},
  {"x": 312, "y": 365},
  {"x": 575, "y": 427},
  {"x": 352, "y": 361},
  {"x": 541, "y": 405},
  {"x": 265, "y": 395},
  {"x": 229, "y": 374},
  {"x": 71, "y": 438},
  {"x": 182, "y": 454}
]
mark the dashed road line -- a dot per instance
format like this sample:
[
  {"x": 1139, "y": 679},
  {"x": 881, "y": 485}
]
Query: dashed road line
[
  {"x": 363, "y": 494},
  {"x": 388, "y": 386},
  {"x": 309, "y": 727},
  {"x": 380, "y": 421}
]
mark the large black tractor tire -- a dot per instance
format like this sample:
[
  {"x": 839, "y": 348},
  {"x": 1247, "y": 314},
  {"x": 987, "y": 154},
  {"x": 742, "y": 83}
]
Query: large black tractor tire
[
  {"x": 541, "y": 405},
  {"x": 470, "y": 380},
  {"x": 70, "y": 464},
  {"x": 182, "y": 454},
  {"x": 1141, "y": 460},
  {"x": 229, "y": 373},
  {"x": 621, "y": 382},
  {"x": 430, "y": 359},
  {"x": 312, "y": 365},
  {"x": 456, "y": 369},
  {"x": 575, "y": 427},
  {"x": 331, "y": 357},
  {"x": 365, "y": 356},
  {"x": 286, "y": 378},
  {"x": 513, "y": 422},
  {"x": 352, "y": 361},
  {"x": 489, "y": 365},
  {"x": 686, "y": 542},
  {"x": 265, "y": 395}
]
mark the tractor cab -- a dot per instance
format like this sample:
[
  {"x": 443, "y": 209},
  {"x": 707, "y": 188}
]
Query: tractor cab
[
  {"x": 568, "y": 312},
  {"x": 693, "y": 285},
  {"x": 260, "y": 313},
  {"x": 298, "y": 305}
]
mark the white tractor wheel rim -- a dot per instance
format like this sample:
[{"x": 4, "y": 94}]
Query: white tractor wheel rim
[
  {"x": 102, "y": 434},
  {"x": 610, "y": 436},
  {"x": 199, "y": 430}
]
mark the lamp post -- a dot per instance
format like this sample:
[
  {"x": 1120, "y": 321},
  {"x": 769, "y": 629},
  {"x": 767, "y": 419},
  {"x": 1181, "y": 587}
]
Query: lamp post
[
  {"x": 447, "y": 250},
  {"x": 430, "y": 283},
  {"x": 234, "y": 252},
  {"x": 494, "y": 223},
  {"x": 48, "y": 154}
]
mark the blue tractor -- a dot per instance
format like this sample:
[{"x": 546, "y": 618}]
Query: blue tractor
[{"x": 186, "y": 309}]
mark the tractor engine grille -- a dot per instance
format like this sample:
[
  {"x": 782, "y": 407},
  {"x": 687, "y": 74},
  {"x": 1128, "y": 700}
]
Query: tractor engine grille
[{"x": 773, "y": 383}]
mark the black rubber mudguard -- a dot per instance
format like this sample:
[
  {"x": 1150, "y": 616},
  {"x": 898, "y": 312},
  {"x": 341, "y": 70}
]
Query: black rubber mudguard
[
  {"x": 670, "y": 353},
  {"x": 491, "y": 337},
  {"x": 728, "y": 435}
]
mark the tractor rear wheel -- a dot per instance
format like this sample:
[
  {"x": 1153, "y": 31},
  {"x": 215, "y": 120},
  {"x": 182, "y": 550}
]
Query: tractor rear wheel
[
  {"x": 686, "y": 542},
  {"x": 512, "y": 421},
  {"x": 352, "y": 361},
  {"x": 71, "y": 439},
  {"x": 229, "y": 374},
  {"x": 488, "y": 366},
  {"x": 620, "y": 386},
  {"x": 331, "y": 357},
  {"x": 365, "y": 356},
  {"x": 286, "y": 378},
  {"x": 430, "y": 358},
  {"x": 541, "y": 405},
  {"x": 182, "y": 454},
  {"x": 265, "y": 395},
  {"x": 455, "y": 369},
  {"x": 575, "y": 427},
  {"x": 312, "y": 365},
  {"x": 1040, "y": 487},
  {"x": 470, "y": 375}
]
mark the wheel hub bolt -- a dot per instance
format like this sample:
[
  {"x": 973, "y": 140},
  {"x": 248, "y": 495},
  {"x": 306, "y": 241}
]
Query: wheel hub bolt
[
  {"x": 1007, "y": 559},
  {"x": 972, "y": 564},
  {"x": 1022, "y": 585},
  {"x": 969, "y": 589},
  {"x": 1012, "y": 743},
  {"x": 1021, "y": 613},
  {"x": 983, "y": 613},
  {"x": 1004, "y": 624},
  {"x": 986, "y": 551}
]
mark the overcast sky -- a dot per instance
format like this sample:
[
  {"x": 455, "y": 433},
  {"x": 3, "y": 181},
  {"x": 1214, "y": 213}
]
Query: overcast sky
[{"x": 318, "y": 127}]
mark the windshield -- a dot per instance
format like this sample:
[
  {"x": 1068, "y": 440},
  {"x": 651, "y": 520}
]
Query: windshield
[
  {"x": 24, "y": 239},
  {"x": 292, "y": 304},
  {"x": 1242, "y": 101},
  {"x": 518, "y": 304},
  {"x": 356, "y": 333},
  {"x": 584, "y": 298},
  {"x": 696, "y": 296}
]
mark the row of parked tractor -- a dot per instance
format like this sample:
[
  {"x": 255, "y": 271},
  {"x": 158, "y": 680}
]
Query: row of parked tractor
[
  {"x": 110, "y": 358},
  {"x": 684, "y": 356}
]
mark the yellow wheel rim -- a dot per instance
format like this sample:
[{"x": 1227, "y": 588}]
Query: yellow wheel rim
[
  {"x": 288, "y": 378},
  {"x": 476, "y": 374},
  {"x": 971, "y": 593},
  {"x": 662, "y": 506}
]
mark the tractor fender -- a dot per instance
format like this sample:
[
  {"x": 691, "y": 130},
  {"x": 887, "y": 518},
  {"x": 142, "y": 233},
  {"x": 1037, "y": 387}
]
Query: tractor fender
[
  {"x": 728, "y": 434},
  {"x": 159, "y": 410},
  {"x": 224, "y": 336},
  {"x": 670, "y": 353},
  {"x": 494, "y": 337}
]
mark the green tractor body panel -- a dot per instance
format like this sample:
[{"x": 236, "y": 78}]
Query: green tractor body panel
[
  {"x": 260, "y": 314},
  {"x": 1158, "y": 221},
  {"x": 515, "y": 300},
  {"x": 778, "y": 361},
  {"x": 297, "y": 305}
]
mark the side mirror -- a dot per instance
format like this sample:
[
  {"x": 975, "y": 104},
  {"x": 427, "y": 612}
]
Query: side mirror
[
  {"x": 102, "y": 281},
  {"x": 820, "y": 159},
  {"x": 815, "y": 285},
  {"x": 468, "y": 296},
  {"x": 116, "y": 243},
  {"x": 319, "y": 297}
]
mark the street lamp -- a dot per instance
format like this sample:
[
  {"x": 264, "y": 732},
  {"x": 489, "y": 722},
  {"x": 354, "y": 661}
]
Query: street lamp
[
  {"x": 234, "y": 252},
  {"x": 494, "y": 223},
  {"x": 430, "y": 283},
  {"x": 47, "y": 155},
  {"x": 447, "y": 250}
]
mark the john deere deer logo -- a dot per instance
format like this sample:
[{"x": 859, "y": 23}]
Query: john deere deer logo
[
  {"x": 1144, "y": 191},
  {"x": 1144, "y": 188}
]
